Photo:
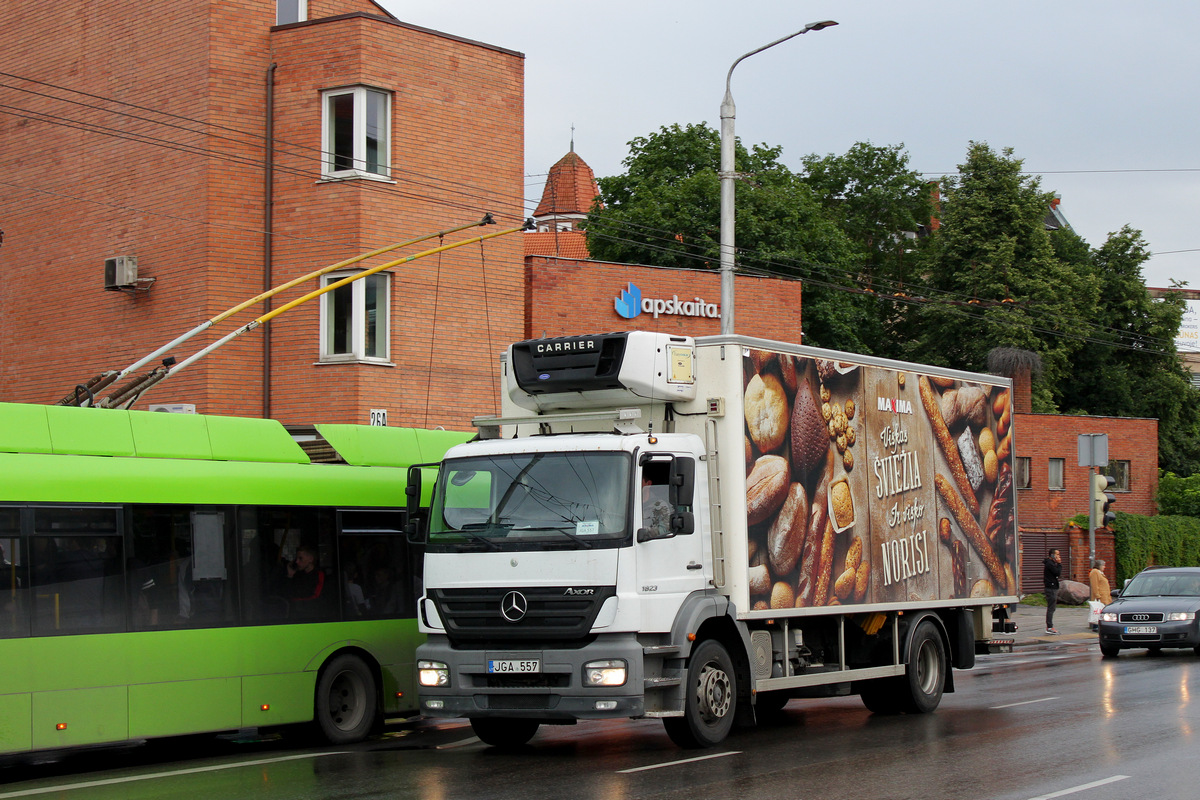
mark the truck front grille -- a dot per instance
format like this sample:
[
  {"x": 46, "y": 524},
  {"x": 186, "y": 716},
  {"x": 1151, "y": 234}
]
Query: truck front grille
[{"x": 543, "y": 613}]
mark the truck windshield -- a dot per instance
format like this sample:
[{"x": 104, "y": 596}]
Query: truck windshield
[{"x": 532, "y": 501}]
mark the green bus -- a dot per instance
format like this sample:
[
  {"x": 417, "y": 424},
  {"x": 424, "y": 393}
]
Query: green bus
[{"x": 165, "y": 574}]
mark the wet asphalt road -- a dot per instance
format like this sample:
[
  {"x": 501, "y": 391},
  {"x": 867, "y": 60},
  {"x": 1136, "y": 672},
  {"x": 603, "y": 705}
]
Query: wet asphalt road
[{"x": 1043, "y": 722}]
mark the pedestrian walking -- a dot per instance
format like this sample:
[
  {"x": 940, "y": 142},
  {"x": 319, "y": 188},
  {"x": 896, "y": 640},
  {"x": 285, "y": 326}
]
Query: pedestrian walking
[
  {"x": 1051, "y": 571},
  {"x": 1098, "y": 582}
]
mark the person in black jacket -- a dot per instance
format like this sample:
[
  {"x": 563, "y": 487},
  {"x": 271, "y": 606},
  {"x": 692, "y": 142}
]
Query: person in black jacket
[{"x": 1052, "y": 570}]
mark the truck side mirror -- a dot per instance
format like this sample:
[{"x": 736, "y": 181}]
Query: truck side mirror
[
  {"x": 683, "y": 481},
  {"x": 414, "y": 529}
]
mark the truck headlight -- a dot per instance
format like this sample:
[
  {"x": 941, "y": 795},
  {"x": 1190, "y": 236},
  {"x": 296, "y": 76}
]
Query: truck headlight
[
  {"x": 1180, "y": 616},
  {"x": 610, "y": 672},
  {"x": 1108, "y": 616},
  {"x": 433, "y": 673}
]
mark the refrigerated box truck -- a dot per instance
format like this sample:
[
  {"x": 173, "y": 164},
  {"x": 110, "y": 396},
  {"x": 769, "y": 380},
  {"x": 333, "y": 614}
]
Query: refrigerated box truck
[{"x": 700, "y": 530}]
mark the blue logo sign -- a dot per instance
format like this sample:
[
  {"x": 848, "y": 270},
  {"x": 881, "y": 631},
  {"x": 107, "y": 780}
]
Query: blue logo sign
[{"x": 629, "y": 304}]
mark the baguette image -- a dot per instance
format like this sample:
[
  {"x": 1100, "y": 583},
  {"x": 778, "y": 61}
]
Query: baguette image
[
  {"x": 947, "y": 445},
  {"x": 971, "y": 528}
]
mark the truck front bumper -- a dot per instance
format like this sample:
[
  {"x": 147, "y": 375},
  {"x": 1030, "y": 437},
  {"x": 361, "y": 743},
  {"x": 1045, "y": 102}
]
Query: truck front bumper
[{"x": 556, "y": 692}]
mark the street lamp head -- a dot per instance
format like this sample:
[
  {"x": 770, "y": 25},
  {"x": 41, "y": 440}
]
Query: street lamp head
[{"x": 816, "y": 26}]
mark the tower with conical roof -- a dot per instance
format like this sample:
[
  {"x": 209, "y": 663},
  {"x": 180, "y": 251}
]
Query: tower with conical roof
[{"x": 568, "y": 194}]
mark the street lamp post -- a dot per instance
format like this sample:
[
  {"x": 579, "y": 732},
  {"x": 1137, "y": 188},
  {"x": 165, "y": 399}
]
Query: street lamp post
[{"x": 728, "y": 175}]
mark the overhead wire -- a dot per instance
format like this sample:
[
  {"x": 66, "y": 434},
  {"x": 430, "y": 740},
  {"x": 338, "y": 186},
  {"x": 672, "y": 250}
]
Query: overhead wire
[{"x": 699, "y": 252}]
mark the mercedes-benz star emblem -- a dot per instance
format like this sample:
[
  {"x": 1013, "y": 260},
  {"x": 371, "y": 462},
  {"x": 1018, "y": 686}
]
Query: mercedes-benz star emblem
[{"x": 513, "y": 606}]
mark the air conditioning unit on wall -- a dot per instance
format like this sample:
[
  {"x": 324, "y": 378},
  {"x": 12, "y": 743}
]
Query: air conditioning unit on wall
[{"x": 120, "y": 272}]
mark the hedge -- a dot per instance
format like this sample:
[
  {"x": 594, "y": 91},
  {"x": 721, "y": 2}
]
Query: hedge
[{"x": 1164, "y": 540}]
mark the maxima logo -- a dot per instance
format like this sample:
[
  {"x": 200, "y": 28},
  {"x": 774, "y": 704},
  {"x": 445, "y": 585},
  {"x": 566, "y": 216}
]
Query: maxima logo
[{"x": 630, "y": 303}]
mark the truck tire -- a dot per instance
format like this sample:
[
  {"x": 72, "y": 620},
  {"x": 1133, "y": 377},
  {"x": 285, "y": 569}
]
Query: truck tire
[
  {"x": 502, "y": 732},
  {"x": 347, "y": 704},
  {"x": 710, "y": 698},
  {"x": 925, "y": 675}
]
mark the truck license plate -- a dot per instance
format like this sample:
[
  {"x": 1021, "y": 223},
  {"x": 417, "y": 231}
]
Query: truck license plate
[
  {"x": 514, "y": 665},
  {"x": 1141, "y": 629}
]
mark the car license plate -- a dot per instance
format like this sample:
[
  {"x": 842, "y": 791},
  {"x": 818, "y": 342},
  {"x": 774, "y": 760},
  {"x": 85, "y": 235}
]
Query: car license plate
[
  {"x": 1141, "y": 629},
  {"x": 526, "y": 665}
]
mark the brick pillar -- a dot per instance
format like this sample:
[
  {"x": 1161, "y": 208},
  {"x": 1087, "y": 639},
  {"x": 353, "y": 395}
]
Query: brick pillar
[{"x": 1022, "y": 392}]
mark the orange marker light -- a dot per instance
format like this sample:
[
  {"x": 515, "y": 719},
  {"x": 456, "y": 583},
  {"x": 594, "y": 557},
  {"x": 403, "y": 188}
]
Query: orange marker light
[
  {"x": 62, "y": 726},
  {"x": 265, "y": 707}
]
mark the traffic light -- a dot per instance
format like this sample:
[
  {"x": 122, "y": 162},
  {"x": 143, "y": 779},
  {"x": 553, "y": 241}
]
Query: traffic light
[{"x": 1103, "y": 498}]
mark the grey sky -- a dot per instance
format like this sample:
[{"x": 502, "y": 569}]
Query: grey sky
[{"x": 1100, "y": 98}]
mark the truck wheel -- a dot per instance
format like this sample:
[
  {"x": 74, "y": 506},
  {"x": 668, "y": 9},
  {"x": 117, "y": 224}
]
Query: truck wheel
[
  {"x": 347, "y": 700},
  {"x": 710, "y": 698},
  {"x": 925, "y": 675},
  {"x": 504, "y": 733}
]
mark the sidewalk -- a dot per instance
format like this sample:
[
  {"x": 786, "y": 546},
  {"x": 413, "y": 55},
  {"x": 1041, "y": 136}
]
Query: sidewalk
[{"x": 1071, "y": 622}]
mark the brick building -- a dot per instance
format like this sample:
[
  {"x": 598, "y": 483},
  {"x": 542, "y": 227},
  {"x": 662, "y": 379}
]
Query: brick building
[
  {"x": 568, "y": 293},
  {"x": 227, "y": 153}
]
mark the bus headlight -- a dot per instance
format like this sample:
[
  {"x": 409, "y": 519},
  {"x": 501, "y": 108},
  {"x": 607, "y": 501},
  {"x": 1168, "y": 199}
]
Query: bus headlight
[
  {"x": 610, "y": 672},
  {"x": 433, "y": 673}
]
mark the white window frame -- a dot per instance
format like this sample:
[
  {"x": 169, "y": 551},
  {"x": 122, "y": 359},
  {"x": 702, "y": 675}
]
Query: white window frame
[
  {"x": 1056, "y": 483},
  {"x": 1119, "y": 469},
  {"x": 358, "y": 158},
  {"x": 298, "y": 7},
  {"x": 358, "y": 320}
]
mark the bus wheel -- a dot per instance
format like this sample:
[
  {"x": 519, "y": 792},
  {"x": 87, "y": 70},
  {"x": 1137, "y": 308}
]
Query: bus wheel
[
  {"x": 504, "y": 733},
  {"x": 347, "y": 700},
  {"x": 710, "y": 698},
  {"x": 925, "y": 676}
]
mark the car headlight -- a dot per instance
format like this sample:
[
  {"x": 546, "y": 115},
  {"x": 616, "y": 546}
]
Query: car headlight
[
  {"x": 1108, "y": 616},
  {"x": 610, "y": 672},
  {"x": 1180, "y": 616},
  {"x": 433, "y": 673}
]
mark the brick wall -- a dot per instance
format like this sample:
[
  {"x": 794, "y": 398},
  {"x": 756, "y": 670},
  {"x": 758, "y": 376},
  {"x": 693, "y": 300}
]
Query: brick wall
[
  {"x": 193, "y": 211},
  {"x": 1041, "y": 437},
  {"x": 572, "y": 297}
]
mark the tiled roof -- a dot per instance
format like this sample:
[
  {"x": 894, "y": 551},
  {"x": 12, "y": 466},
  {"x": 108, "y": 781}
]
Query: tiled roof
[
  {"x": 564, "y": 244},
  {"x": 570, "y": 187}
]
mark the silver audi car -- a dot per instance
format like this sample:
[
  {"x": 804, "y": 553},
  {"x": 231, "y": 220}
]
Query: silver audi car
[{"x": 1158, "y": 608}]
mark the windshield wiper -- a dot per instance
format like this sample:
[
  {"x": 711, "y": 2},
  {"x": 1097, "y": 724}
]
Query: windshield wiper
[
  {"x": 561, "y": 530},
  {"x": 470, "y": 528}
]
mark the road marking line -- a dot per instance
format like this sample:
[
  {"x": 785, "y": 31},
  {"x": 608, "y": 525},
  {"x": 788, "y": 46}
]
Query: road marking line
[
  {"x": 677, "y": 763},
  {"x": 1025, "y": 703},
  {"x": 1082, "y": 788},
  {"x": 67, "y": 787},
  {"x": 462, "y": 743}
]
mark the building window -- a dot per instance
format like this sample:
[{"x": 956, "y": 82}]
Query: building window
[
  {"x": 1054, "y": 474},
  {"x": 289, "y": 11},
  {"x": 1022, "y": 472},
  {"x": 356, "y": 133},
  {"x": 355, "y": 319},
  {"x": 1120, "y": 471}
]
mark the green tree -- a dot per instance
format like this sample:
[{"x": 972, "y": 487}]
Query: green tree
[
  {"x": 1130, "y": 367},
  {"x": 993, "y": 277},
  {"x": 878, "y": 202},
  {"x": 665, "y": 210}
]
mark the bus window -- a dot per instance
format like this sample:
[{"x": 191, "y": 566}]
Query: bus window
[
  {"x": 76, "y": 571},
  {"x": 287, "y": 560},
  {"x": 13, "y": 609},
  {"x": 377, "y": 578},
  {"x": 179, "y": 559}
]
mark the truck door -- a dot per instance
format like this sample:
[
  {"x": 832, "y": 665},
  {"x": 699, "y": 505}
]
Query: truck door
[{"x": 670, "y": 553}]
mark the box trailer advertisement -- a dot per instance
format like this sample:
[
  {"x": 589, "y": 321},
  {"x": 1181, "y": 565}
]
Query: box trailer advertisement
[{"x": 869, "y": 485}]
